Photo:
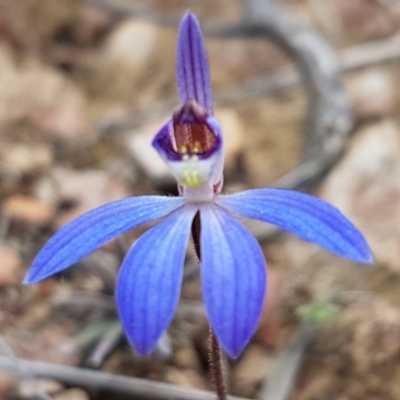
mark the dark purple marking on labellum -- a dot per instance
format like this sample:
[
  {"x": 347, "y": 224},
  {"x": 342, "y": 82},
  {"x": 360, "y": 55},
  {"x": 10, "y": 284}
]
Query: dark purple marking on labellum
[{"x": 191, "y": 132}]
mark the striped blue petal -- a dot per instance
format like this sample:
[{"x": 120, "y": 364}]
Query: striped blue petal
[
  {"x": 307, "y": 217},
  {"x": 91, "y": 230},
  {"x": 150, "y": 279},
  {"x": 192, "y": 71},
  {"x": 233, "y": 273}
]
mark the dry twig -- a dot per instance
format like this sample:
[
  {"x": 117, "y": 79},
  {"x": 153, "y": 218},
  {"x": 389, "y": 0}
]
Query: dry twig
[
  {"x": 280, "y": 384},
  {"x": 89, "y": 379},
  {"x": 105, "y": 346}
]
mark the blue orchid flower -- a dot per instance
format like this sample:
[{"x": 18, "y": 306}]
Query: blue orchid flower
[{"x": 233, "y": 268}]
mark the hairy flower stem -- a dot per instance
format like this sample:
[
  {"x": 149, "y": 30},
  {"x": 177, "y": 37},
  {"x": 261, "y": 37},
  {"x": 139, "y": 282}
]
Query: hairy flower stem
[
  {"x": 215, "y": 361},
  {"x": 214, "y": 358}
]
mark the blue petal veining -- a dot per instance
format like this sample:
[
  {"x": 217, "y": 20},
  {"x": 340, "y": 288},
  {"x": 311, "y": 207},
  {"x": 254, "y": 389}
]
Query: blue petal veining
[
  {"x": 192, "y": 71},
  {"x": 91, "y": 230},
  {"x": 233, "y": 278},
  {"x": 150, "y": 279},
  {"x": 307, "y": 217}
]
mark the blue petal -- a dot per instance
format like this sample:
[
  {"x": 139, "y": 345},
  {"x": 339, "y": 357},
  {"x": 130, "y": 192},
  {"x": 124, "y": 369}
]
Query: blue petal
[
  {"x": 233, "y": 278},
  {"x": 192, "y": 71},
  {"x": 308, "y": 217},
  {"x": 91, "y": 230},
  {"x": 150, "y": 279}
]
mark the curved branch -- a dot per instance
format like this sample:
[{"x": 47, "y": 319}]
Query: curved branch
[{"x": 328, "y": 120}]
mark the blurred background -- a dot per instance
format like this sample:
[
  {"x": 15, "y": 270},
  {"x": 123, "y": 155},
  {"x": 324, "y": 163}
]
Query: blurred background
[{"x": 84, "y": 86}]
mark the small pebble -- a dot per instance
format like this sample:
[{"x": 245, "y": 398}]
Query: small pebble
[
  {"x": 28, "y": 209},
  {"x": 72, "y": 394}
]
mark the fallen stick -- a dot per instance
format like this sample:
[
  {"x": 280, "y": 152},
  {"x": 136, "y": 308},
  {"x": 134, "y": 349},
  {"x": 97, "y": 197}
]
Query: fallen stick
[
  {"x": 283, "y": 379},
  {"x": 90, "y": 379}
]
